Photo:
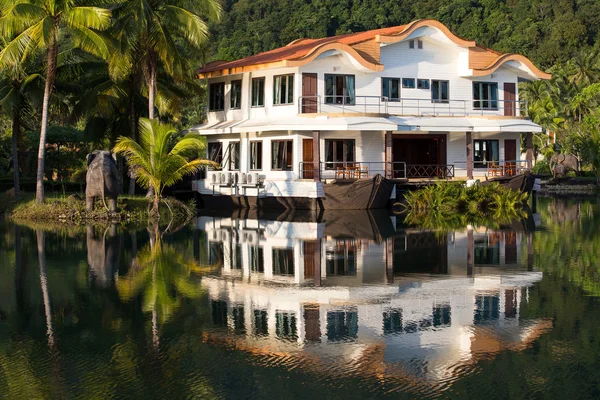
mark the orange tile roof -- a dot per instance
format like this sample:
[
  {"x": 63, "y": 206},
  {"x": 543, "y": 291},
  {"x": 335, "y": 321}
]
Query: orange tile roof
[{"x": 364, "y": 46}]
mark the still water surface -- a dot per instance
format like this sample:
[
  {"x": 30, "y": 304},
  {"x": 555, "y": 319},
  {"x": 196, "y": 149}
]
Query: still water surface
[{"x": 302, "y": 306}]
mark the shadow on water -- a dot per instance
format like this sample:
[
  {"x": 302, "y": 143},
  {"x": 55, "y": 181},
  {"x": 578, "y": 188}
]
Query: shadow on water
[{"x": 335, "y": 305}]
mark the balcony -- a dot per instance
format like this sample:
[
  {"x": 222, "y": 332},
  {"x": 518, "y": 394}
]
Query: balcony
[{"x": 378, "y": 105}]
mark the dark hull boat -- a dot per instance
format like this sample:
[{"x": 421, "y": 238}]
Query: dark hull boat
[
  {"x": 362, "y": 194},
  {"x": 523, "y": 182}
]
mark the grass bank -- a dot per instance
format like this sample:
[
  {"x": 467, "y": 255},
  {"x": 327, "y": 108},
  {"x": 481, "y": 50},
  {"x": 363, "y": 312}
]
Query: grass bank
[{"x": 71, "y": 209}]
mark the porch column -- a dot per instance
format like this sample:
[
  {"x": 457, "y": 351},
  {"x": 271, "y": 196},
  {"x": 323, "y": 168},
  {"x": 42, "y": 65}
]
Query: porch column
[
  {"x": 317, "y": 156},
  {"x": 389, "y": 168},
  {"x": 469, "y": 142},
  {"x": 529, "y": 147}
]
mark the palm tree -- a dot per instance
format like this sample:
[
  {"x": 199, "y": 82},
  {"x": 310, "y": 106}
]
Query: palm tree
[
  {"x": 157, "y": 162},
  {"x": 151, "y": 30},
  {"x": 33, "y": 25},
  {"x": 17, "y": 93}
]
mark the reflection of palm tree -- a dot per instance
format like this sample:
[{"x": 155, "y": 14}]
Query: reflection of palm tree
[
  {"x": 161, "y": 275},
  {"x": 41, "y": 243}
]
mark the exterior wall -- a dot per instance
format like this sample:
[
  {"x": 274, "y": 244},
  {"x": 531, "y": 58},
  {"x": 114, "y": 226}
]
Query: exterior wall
[
  {"x": 249, "y": 112},
  {"x": 457, "y": 150},
  {"x": 369, "y": 147},
  {"x": 437, "y": 60}
]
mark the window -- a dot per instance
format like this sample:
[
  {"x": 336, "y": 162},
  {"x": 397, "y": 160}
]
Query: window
[
  {"x": 235, "y": 102},
  {"x": 339, "y": 89},
  {"x": 485, "y": 151},
  {"x": 338, "y": 152},
  {"x": 341, "y": 259},
  {"x": 258, "y": 92},
  {"x": 390, "y": 88},
  {"x": 283, "y": 89},
  {"x": 485, "y": 96},
  {"x": 283, "y": 261},
  {"x": 442, "y": 315},
  {"x": 411, "y": 44},
  {"x": 234, "y": 156},
  {"x": 408, "y": 83},
  {"x": 239, "y": 326},
  {"x": 216, "y": 96},
  {"x": 215, "y": 152},
  {"x": 440, "y": 91},
  {"x": 420, "y": 44},
  {"x": 282, "y": 157},
  {"x": 422, "y": 83},
  {"x": 487, "y": 308},
  {"x": 256, "y": 155}
]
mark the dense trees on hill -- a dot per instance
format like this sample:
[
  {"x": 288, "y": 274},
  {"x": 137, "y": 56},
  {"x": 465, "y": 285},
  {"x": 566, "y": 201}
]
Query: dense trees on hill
[{"x": 547, "y": 31}]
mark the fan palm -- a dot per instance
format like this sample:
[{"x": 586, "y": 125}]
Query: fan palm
[
  {"x": 150, "y": 30},
  {"x": 156, "y": 161},
  {"x": 33, "y": 25}
]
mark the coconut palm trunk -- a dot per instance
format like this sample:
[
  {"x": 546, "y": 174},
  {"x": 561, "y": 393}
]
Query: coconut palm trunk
[
  {"x": 132, "y": 128},
  {"x": 50, "y": 75},
  {"x": 151, "y": 95},
  {"x": 16, "y": 132}
]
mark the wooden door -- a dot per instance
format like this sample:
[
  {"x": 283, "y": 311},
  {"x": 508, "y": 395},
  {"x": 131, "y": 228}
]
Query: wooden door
[
  {"x": 510, "y": 107},
  {"x": 308, "y": 168},
  {"x": 510, "y": 150},
  {"x": 309, "y": 93}
]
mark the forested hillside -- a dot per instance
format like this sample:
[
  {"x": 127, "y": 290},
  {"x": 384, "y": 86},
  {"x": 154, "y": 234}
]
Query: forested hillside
[{"x": 547, "y": 31}]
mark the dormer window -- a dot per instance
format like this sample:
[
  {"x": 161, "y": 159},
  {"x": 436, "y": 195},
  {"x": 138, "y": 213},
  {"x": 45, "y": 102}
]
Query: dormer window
[
  {"x": 216, "y": 96},
  {"x": 283, "y": 89}
]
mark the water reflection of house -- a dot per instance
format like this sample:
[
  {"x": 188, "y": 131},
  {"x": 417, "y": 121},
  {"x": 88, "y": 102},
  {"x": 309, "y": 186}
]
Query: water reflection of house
[{"x": 290, "y": 287}]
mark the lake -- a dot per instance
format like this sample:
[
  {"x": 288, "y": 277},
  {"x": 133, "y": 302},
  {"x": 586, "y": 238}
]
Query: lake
[{"x": 346, "y": 305}]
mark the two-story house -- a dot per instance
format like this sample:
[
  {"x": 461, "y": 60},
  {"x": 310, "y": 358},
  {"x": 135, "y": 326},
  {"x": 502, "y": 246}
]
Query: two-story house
[{"x": 411, "y": 101}]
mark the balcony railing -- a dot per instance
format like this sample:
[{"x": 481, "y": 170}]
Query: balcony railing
[
  {"x": 360, "y": 170},
  {"x": 411, "y": 106}
]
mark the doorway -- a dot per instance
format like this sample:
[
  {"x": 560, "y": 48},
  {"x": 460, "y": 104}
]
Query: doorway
[
  {"x": 424, "y": 155},
  {"x": 308, "y": 167},
  {"x": 309, "y": 93}
]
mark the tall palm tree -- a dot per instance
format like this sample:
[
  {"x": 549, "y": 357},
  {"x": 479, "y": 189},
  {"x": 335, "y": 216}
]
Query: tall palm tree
[
  {"x": 33, "y": 25},
  {"x": 157, "y": 162},
  {"x": 152, "y": 29},
  {"x": 18, "y": 91}
]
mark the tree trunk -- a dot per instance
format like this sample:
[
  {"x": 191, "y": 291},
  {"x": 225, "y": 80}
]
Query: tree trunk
[
  {"x": 50, "y": 74},
  {"x": 151, "y": 93},
  {"x": 16, "y": 131},
  {"x": 132, "y": 128}
]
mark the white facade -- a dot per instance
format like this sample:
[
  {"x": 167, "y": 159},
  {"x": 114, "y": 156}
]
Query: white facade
[{"x": 371, "y": 114}]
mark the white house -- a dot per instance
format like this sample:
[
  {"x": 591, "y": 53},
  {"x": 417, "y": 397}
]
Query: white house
[{"x": 411, "y": 101}]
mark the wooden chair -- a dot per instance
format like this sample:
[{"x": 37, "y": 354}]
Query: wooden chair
[
  {"x": 510, "y": 168},
  {"x": 494, "y": 169}
]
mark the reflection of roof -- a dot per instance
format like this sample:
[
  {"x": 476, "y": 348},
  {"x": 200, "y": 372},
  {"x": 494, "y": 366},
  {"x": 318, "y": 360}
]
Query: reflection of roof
[{"x": 364, "y": 47}]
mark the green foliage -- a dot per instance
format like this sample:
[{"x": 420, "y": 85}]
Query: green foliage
[
  {"x": 160, "y": 159},
  {"x": 453, "y": 205},
  {"x": 547, "y": 31},
  {"x": 541, "y": 167}
]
